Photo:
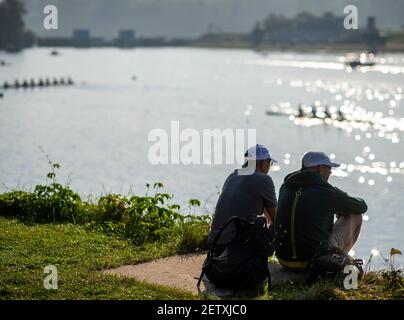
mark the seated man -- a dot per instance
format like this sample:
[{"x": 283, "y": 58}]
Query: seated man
[
  {"x": 305, "y": 215},
  {"x": 245, "y": 195}
]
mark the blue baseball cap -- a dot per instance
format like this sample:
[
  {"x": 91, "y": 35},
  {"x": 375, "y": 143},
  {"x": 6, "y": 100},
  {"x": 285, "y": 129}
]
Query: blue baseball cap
[
  {"x": 258, "y": 152},
  {"x": 315, "y": 158}
]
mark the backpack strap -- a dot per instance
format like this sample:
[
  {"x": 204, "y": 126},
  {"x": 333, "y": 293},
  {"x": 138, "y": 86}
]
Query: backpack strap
[
  {"x": 237, "y": 222},
  {"x": 199, "y": 281}
]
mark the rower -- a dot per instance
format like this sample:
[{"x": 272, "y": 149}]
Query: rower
[
  {"x": 327, "y": 112},
  {"x": 341, "y": 116},
  {"x": 300, "y": 111},
  {"x": 314, "y": 111}
]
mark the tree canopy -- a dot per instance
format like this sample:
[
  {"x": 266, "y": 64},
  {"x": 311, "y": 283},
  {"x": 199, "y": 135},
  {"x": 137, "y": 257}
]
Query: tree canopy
[{"x": 13, "y": 35}]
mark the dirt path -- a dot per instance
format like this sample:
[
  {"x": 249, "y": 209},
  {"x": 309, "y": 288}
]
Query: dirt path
[
  {"x": 183, "y": 272},
  {"x": 177, "y": 271}
]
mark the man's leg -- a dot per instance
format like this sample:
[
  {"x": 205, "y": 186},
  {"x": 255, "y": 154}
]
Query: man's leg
[{"x": 346, "y": 231}]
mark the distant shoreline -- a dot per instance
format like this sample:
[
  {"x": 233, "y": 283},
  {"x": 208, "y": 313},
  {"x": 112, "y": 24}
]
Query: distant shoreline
[
  {"x": 329, "y": 48},
  {"x": 317, "y": 48}
]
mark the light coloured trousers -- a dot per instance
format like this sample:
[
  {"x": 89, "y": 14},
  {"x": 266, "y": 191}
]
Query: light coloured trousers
[{"x": 346, "y": 231}]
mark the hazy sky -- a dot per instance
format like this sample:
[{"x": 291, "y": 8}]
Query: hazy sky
[{"x": 190, "y": 18}]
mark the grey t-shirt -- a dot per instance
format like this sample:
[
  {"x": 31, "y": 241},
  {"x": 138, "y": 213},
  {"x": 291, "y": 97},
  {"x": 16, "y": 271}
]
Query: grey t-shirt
[{"x": 244, "y": 196}]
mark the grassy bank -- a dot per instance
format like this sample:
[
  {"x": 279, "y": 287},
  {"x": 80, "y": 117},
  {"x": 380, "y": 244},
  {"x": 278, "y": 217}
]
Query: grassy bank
[
  {"x": 52, "y": 225},
  {"x": 80, "y": 255}
]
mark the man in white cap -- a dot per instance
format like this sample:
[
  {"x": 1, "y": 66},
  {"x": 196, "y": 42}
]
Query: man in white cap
[
  {"x": 305, "y": 215},
  {"x": 245, "y": 195}
]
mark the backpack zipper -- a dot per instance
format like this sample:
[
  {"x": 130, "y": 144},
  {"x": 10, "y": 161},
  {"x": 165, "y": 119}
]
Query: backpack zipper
[{"x": 292, "y": 228}]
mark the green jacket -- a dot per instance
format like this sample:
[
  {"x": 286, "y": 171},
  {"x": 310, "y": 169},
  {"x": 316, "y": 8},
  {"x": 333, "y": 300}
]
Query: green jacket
[{"x": 305, "y": 214}]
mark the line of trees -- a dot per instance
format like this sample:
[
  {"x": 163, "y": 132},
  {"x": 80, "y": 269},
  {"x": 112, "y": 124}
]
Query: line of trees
[{"x": 13, "y": 35}]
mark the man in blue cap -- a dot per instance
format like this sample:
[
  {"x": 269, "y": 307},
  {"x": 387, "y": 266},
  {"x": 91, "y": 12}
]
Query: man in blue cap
[
  {"x": 305, "y": 215},
  {"x": 247, "y": 193}
]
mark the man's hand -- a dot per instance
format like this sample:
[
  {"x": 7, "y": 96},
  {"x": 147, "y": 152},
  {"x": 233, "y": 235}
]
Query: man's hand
[
  {"x": 344, "y": 214},
  {"x": 339, "y": 214}
]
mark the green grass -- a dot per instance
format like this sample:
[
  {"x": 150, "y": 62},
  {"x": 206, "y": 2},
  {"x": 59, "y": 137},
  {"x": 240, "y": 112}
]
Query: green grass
[{"x": 80, "y": 255}]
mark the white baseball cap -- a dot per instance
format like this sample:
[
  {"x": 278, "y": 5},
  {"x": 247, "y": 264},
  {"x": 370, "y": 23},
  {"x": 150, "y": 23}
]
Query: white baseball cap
[
  {"x": 258, "y": 152},
  {"x": 316, "y": 158}
]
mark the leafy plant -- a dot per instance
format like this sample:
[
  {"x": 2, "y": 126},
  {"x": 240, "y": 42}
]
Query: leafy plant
[
  {"x": 51, "y": 202},
  {"x": 140, "y": 219}
]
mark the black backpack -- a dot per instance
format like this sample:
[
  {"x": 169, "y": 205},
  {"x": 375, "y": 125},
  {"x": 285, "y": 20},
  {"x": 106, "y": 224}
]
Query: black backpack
[
  {"x": 329, "y": 262},
  {"x": 243, "y": 265}
]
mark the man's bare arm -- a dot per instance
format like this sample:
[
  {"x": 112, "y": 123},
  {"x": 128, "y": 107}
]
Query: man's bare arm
[{"x": 270, "y": 214}]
